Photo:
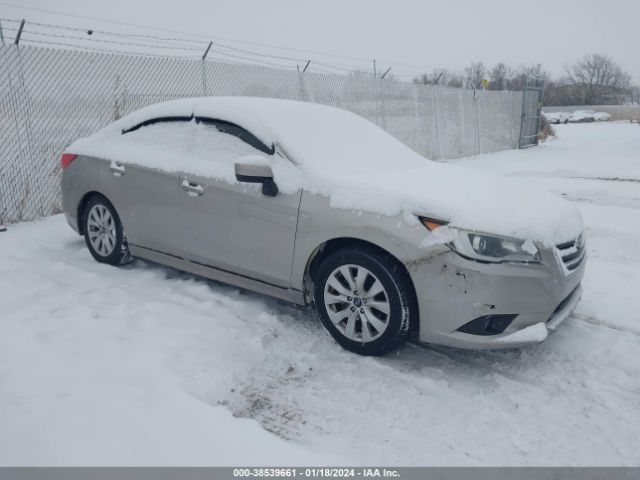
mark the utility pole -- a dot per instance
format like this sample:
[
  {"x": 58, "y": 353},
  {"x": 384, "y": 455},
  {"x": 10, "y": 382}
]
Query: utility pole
[
  {"x": 1, "y": 34},
  {"x": 375, "y": 74}
]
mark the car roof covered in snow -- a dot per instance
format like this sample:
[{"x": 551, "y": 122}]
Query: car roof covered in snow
[
  {"x": 260, "y": 116},
  {"x": 340, "y": 155}
]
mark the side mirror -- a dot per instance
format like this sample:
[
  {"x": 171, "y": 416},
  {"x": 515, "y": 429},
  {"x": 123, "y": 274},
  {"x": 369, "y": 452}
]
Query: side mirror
[{"x": 255, "y": 169}]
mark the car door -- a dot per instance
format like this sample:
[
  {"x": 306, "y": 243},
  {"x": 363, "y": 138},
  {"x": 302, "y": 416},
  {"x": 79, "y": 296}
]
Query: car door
[
  {"x": 232, "y": 226},
  {"x": 145, "y": 198}
]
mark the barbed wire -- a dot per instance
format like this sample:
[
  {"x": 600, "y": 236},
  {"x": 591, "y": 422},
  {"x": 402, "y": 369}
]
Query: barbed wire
[
  {"x": 250, "y": 59},
  {"x": 103, "y": 50},
  {"x": 40, "y": 31},
  {"x": 341, "y": 68},
  {"x": 113, "y": 42},
  {"x": 314, "y": 53},
  {"x": 116, "y": 34}
]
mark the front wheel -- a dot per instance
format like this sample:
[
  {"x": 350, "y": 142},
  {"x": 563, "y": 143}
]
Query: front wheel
[
  {"x": 365, "y": 300},
  {"x": 103, "y": 232}
]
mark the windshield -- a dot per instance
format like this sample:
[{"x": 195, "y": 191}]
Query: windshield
[{"x": 330, "y": 140}]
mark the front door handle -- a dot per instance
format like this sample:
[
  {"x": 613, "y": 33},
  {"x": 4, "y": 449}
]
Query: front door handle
[
  {"x": 193, "y": 189},
  {"x": 117, "y": 169}
]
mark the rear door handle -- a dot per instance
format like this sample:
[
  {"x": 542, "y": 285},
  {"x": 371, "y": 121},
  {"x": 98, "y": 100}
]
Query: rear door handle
[
  {"x": 117, "y": 169},
  {"x": 193, "y": 189}
]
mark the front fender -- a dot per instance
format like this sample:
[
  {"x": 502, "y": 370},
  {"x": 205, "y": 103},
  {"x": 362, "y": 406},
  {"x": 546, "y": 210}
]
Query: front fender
[{"x": 401, "y": 236}]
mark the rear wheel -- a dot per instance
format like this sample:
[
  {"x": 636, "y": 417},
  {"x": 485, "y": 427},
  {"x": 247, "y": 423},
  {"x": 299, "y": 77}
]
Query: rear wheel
[
  {"x": 103, "y": 232},
  {"x": 365, "y": 300}
]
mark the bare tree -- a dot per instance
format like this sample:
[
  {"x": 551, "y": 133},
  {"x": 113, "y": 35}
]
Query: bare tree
[
  {"x": 499, "y": 76},
  {"x": 474, "y": 74},
  {"x": 520, "y": 75},
  {"x": 598, "y": 75}
]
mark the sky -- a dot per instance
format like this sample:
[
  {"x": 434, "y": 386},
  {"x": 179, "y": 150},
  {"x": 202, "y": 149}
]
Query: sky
[{"x": 411, "y": 36}]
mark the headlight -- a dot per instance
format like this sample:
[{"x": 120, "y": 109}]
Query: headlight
[
  {"x": 485, "y": 247},
  {"x": 494, "y": 248}
]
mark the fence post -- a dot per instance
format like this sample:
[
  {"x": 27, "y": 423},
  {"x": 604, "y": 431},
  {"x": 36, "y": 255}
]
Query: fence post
[
  {"x": 478, "y": 124},
  {"x": 19, "y": 34},
  {"x": 523, "y": 113},
  {"x": 204, "y": 69},
  {"x": 461, "y": 134},
  {"x": 381, "y": 94},
  {"x": 416, "y": 115},
  {"x": 302, "y": 91},
  {"x": 539, "y": 83},
  {"x": 436, "y": 123}
]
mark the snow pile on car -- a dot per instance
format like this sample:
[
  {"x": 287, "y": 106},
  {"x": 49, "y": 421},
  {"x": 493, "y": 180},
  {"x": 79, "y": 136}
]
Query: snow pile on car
[{"x": 342, "y": 156}]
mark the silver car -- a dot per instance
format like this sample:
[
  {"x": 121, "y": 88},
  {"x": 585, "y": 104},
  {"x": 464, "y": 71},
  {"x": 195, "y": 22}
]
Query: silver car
[{"x": 316, "y": 205}]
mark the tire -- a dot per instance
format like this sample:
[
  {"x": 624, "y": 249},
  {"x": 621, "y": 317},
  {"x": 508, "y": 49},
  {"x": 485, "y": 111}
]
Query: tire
[
  {"x": 349, "y": 315},
  {"x": 101, "y": 222}
]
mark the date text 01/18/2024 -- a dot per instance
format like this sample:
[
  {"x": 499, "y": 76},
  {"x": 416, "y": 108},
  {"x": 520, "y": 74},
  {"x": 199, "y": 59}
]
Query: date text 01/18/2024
[{"x": 317, "y": 472}]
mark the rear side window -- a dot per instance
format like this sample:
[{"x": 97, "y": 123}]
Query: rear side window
[
  {"x": 153, "y": 121},
  {"x": 220, "y": 125}
]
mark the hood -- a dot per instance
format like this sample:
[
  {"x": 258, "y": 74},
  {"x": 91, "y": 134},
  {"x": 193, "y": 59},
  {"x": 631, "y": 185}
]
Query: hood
[{"x": 466, "y": 198}]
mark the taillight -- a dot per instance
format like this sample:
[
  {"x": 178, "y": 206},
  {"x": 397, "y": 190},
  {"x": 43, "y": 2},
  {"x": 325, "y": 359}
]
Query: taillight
[{"x": 66, "y": 159}]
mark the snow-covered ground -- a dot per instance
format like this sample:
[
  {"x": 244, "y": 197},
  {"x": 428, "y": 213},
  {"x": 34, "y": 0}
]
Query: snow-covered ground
[{"x": 145, "y": 365}]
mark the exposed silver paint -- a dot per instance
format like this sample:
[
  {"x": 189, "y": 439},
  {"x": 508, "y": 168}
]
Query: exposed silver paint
[
  {"x": 249, "y": 168},
  {"x": 233, "y": 233},
  {"x": 357, "y": 303}
]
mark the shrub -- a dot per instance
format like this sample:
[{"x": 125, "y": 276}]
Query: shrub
[{"x": 546, "y": 130}]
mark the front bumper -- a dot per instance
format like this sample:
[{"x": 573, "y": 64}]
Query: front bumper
[{"x": 453, "y": 291}]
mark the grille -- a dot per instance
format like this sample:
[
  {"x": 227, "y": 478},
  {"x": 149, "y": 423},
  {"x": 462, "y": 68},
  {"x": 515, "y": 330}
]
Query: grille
[{"x": 571, "y": 253}]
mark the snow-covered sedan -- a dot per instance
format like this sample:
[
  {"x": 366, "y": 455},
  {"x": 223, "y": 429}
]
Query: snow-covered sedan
[
  {"x": 313, "y": 204},
  {"x": 582, "y": 116},
  {"x": 602, "y": 116},
  {"x": 557, "y": 117}
]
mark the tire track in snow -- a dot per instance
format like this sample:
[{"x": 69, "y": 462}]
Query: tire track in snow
[{"x": 593, "y": 320}]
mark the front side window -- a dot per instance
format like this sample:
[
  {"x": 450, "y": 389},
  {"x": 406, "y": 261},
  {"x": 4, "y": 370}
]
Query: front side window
[
  {"x": 196, "y": 146},
  {"x": 237, "y": 131}
]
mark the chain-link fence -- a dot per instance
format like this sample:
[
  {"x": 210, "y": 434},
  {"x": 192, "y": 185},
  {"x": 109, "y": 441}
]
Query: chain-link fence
[{"x": 50, "y": 97}]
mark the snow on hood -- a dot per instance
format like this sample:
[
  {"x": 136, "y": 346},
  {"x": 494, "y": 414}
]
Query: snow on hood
[{"x": 353, "y": 162}]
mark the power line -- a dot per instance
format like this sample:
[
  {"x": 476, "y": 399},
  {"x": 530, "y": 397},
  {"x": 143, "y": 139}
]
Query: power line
[{"x": 114, "y": 42}]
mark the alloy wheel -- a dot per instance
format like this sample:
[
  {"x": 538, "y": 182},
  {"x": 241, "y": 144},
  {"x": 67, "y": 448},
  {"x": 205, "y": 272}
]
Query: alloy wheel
[
  {"x": 101, "y": 229},
  {"x": 357, "y": 303}
]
